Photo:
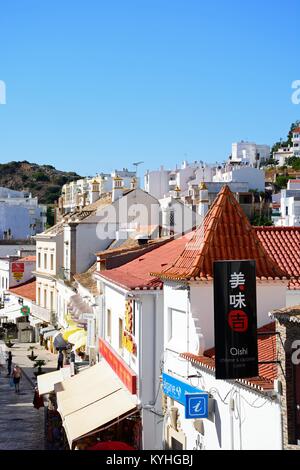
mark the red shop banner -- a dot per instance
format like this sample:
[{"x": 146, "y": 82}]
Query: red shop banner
[{"x": 123, "y": 371}]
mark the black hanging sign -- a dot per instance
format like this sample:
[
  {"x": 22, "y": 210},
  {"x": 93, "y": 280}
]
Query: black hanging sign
[{"x": 236, "y": 352}]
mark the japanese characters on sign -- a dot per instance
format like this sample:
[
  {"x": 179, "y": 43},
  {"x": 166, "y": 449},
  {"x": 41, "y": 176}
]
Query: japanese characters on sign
[{"x": 235, "y": 319}]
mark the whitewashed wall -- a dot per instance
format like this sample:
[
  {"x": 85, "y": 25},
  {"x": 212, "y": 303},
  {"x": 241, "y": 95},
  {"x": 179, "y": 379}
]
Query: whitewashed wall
[
  {"x": 149, "y": 341},
  {"x": 257, "y": 428}
]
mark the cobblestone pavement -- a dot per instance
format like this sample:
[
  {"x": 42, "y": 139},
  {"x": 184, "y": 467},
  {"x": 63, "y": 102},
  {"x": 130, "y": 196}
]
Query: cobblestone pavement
[{"x": 22, "y": 425}]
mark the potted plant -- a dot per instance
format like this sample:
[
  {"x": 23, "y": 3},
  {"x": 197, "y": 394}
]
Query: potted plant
[
  {"x": 32, "y": 357},
  {"x": 39, "y": 363},
  {"x": 9, "y": 344}
]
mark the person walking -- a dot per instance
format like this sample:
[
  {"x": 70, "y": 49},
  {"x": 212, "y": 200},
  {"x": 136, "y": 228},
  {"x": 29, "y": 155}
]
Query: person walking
[
  {"x": 16, "y": 374},
  {"x": 9, "y": 361},
  {"x": 60, "y": 360}
]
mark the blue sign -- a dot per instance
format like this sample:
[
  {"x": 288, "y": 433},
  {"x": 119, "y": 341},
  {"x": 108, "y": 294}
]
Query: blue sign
[
  {"x": 196, "y": 405},
  {"x": 178, "y": 390}
]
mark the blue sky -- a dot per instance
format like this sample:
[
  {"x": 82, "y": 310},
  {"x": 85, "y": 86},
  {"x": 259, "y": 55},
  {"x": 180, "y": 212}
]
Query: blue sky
[{"x": 95, "y": 85}]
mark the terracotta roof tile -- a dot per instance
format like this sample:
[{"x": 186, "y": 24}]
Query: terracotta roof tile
[
  {"x": 266, "y": 352},
  {"x": 225, "y": 234},
  {"x": 30, "y": 258},
  {"x": 26, "y": 290},
  {"x": 283, "y": 246},
  {"x": 136, "y": 273}
]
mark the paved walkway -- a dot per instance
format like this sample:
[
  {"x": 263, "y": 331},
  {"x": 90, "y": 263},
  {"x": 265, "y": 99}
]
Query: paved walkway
[{"x": 22, "y": 425}]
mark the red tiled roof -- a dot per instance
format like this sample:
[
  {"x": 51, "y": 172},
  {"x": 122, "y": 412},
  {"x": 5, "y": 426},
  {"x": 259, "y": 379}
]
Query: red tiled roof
[
  {"x": 136, "y": 273},
  {"x": 226, "y": 234},
  {"x": 28, "y": 258},
  {"x": 266, "y": 352},
  {"x": 26, "y": 290},
  {"x": 283, "y": 246},
  {"x": 296, "y": 130}
]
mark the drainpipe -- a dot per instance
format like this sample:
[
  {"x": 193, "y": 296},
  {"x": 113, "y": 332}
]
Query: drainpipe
[
  {"x": 231, "y": 410},
  {"x": 188, "y": 325}
]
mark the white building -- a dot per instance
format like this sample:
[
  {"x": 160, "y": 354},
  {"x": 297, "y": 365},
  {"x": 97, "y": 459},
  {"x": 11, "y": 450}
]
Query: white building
[
  {"x": 69, "y": 247},
  {"x": 20, "y": 215},
  {"x": 253, "y": 177},
  {"x": 15, "y": 270},
  {"x": 162, "y": 183},
  {"x": 249, "y": 153},
  {"x": 85, "y": 191},
  {"x": 132, "y": 330},
  {"x": 289, "y": 213},
  {"x": 245, "y": 414},
  {"x": 284, "y": 153}
]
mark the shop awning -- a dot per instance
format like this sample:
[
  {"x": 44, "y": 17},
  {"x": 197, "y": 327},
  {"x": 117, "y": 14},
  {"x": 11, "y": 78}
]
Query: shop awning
[
  {"x": 92, "y": 399},
  {"x": 46, "y": 382},
  {"x": 70, "y": 331},
  {"x": 47, "y": 328},
  {"x": 59, "y": 342},
  {"x": 50, "y": 334},
  {"x": 35, "y": 321},
  {"x": 78, "y": 339}
]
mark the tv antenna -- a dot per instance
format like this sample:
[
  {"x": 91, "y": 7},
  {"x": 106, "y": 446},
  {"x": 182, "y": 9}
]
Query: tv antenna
[{"x": 136, "y": 166}]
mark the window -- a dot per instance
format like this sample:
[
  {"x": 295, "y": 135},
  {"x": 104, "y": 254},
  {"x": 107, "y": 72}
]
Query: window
[
  {"x": 120, "y": 333},
  {"x": 51, "y": 301},
  {"x": 45, "y": 260},
  {"x": 172, "y": 218},
  {"x": 39, "y": 296},
  {"x": 136, "y": 306},
  {"x": 39, "y": 260},
  {"x": 108, "y": 329},
  {"x": 6, "y": 283},
  {"x": 45, "y": 298},
  {"x": 51, "y": 262},
  {"x": 177, "y": 330}
]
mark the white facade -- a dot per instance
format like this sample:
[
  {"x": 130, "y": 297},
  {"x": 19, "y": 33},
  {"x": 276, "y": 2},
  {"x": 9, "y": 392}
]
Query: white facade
[
  {"x": 283, "y": 153},
  {"x": 20, "y": 215},
  {"x": 145, "y": 363},
  {"x": 254, "y": 177},
  {"x": 289, "y": 214},
  {"x": 162, "y": 183},
  {"x": 176, "y": 217},
  {"x": 249, "y": 153},
  {"x": 85, "y": 191},
  {"x": 189, "y": 327},
  {"x": 8, "y": 278}
]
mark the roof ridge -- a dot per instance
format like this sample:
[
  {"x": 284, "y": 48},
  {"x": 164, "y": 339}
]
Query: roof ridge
[{"x": 210, "y": 244}]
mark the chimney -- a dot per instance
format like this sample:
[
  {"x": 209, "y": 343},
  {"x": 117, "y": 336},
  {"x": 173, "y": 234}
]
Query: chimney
[
  {"x": 133, "y": 183},
  {"x": 203, "y": 200},
  {"x": 117, "y": 191},
  {"x": 95, "y": 191}
]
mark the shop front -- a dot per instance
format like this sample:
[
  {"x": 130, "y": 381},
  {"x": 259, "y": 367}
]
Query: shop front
[
  {"x": 182, "y": 402},
  {"x": 96, "y": 407}
]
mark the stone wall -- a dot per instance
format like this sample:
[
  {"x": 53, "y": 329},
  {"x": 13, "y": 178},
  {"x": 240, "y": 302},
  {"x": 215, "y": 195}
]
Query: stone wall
[{"x": 288, "y": 332}]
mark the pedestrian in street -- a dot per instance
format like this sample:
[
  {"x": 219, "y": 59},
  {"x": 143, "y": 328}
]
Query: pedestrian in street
[
  {"x": 60, "y": 360},
  {"x": 16, "y": 375},
  {"x": 9, "y": 361}
]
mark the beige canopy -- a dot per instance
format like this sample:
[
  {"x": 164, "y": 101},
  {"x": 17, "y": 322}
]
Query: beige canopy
[{"x": 92, "y": 399}]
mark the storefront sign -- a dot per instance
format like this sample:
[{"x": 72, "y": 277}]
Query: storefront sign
[
  {"x": 178, "y": 390},
  {"x": 196, "y": 405},
  {"x": 128, "y": 340},
  {"x": 127, "y": 376},
  {"x": 17, "y": 270},
  {"x": 235, "y": 319}
]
